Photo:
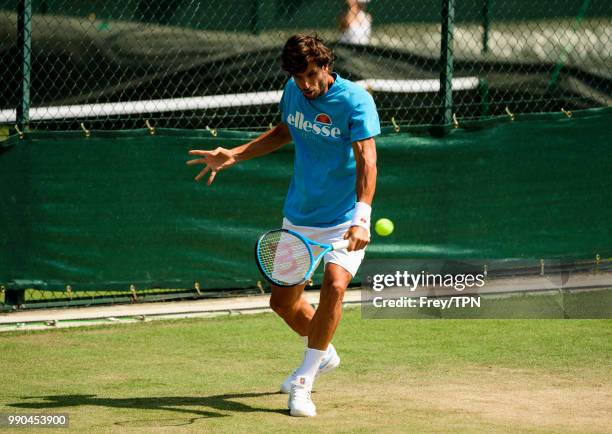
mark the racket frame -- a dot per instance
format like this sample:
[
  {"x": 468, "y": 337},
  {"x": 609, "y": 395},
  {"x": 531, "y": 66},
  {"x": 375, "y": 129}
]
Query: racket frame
[{"x": 313, "y": 260}]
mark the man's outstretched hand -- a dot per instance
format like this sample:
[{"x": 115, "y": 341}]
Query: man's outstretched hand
[{"x": 214, "y": 161}]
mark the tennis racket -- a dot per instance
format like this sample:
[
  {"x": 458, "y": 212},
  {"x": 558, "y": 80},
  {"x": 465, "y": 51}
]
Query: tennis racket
[{"x": 286, "y": 258}]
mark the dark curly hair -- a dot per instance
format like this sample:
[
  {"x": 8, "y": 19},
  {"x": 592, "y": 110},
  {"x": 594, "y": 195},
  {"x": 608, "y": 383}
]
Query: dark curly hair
[{"x": 303, "y": 48}]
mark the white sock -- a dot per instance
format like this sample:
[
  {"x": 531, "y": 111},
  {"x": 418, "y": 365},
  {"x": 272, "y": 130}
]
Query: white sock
[
  {"x": 312, "y": 360},
  {"x": 329, "y": 347}
]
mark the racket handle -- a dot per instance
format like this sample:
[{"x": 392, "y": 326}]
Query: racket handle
[{"x": 339, "y": 245}]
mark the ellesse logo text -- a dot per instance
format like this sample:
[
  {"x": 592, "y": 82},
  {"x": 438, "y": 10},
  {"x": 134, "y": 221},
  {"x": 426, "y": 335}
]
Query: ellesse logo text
[{"x": 321, "y": 126}]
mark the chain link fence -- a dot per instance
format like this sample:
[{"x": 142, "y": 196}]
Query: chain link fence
[{"x": 192, "y": 64}]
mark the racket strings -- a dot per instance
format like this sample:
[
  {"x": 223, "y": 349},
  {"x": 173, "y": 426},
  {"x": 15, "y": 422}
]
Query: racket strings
[{"x": 284, "y": 257}]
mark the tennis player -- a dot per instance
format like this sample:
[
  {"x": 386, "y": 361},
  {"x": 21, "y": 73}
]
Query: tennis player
[{"x": 332, "y": 123}]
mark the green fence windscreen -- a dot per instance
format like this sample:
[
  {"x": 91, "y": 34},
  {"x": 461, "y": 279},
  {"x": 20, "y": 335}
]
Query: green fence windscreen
[{"x": 122, "y": 208}]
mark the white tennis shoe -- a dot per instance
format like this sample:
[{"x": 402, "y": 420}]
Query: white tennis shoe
[
  {"x": 329, "y": 363},
  {"x": 300, "y": 403}
]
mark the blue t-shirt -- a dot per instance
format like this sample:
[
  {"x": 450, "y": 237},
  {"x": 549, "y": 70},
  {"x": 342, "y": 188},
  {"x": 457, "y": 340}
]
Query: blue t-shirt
[{"x": 322, "y": 191}]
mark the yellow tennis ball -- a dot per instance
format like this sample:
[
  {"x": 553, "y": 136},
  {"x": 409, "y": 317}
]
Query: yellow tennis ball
[{"x": 383, "y": 227}]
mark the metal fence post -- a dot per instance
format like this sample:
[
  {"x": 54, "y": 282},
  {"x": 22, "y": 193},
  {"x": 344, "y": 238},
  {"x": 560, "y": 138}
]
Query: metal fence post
[
  {"x": 486, "y": 26},
  {"x": 445, "y": 95},
  {"x": 24, "y": 43},
  {"x": 257, "y": 17}
]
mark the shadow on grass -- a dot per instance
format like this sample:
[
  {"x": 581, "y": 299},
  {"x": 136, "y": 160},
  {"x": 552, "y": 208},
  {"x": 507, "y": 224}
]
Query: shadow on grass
[{"x": 171, "y": 403}]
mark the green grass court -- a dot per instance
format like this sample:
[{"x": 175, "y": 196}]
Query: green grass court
[{"x": 221, "y": 374}]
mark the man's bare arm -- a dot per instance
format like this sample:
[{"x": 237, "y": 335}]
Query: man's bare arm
[
  {"x": 268, "y": 142},
  {"x": 222, "y": 158},
  {"x": 365, "y": 157}
]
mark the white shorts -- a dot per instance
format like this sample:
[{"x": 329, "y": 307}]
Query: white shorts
[{"x": 350, "y": 261}]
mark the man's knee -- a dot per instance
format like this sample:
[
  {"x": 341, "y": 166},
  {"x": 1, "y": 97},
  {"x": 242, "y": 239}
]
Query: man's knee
[
  {"x": 283, "y": 300},
  {"x": 278, "y": 305},
  {"x": 335, "y": 283},
  {"x": 332, "y": 293}
]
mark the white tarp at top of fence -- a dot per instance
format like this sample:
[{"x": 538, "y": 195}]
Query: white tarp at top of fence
[
  {"x": 217, "y": 101},
  {"x": 416, "y": 86}
]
